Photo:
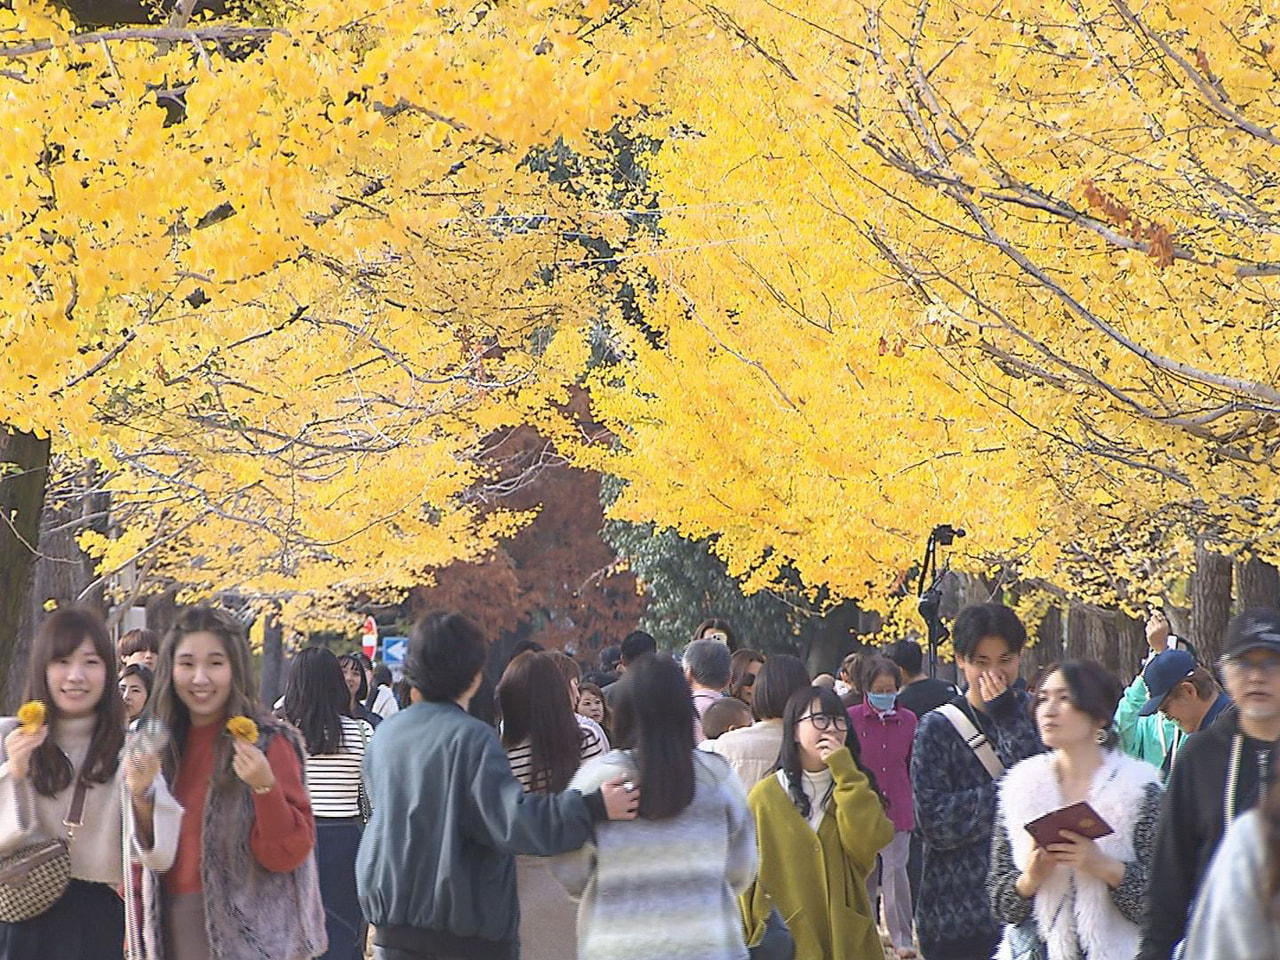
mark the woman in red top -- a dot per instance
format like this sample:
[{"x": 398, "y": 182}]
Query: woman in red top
[
  {"x": 243, "y": 885},
  {"x": 885, "y": 733}
]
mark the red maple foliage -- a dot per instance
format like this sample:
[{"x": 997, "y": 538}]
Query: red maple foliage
[{"x": 556, "y": 581}]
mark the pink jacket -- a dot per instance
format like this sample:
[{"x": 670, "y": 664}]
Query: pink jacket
[{"x": 886, "y": 752}]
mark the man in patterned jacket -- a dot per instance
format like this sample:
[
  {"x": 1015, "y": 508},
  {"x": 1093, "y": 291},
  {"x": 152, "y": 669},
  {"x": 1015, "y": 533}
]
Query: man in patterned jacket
[{"x": 955, "y": 792}]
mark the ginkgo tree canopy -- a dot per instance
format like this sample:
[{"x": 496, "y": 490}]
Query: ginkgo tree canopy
[
  {"x": 283, "y": 273},
  {"x": 1009, "y": 266}
]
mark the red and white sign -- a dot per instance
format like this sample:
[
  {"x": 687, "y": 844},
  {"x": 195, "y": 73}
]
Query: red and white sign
[{"x": 369, "y": 638}]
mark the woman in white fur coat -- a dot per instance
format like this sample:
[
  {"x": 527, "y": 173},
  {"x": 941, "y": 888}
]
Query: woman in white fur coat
[{"x": 1086, "y": 897}]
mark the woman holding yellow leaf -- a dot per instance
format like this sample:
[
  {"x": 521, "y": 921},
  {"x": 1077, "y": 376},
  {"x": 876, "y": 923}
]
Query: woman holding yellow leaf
[
  {"x": 62, "y": 764},
  {"x": 244, "y": 884}
]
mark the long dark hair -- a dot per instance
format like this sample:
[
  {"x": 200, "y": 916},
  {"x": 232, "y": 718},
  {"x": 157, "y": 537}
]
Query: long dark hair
[
  {"x": 362, "y": 691},
  {"x": 789, "y": 756},
  {"x": 740, "y": 675},
  {"x": 655, "y": 721},
  {"x": 780, "y": 677},
  {"x": 59, "y": 636},
  {"x": 536, "y": 709},
  {"x": 316, "y": 699},
  {"x": 715, "y": 623},
  {"x": 167, "y": 707}
]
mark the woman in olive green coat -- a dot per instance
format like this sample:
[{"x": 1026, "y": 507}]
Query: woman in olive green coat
[{"x": 820, "y": 823}]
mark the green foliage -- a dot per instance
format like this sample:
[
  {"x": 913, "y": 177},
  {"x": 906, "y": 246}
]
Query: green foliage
[{"x": 687, "y": 583}]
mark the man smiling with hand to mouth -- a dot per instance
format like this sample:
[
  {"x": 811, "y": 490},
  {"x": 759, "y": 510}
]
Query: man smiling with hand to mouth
[{"x": 1219, "y": 774}]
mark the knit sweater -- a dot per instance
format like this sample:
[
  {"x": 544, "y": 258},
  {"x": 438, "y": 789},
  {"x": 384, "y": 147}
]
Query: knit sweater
[
  {"x": 96, "y": 853},
  {"x": 817, "y": 880},
  {"x": 1234, "y": 918},
  {"x": 660, "y": 889},
  {"x": 955, "y": 801}
]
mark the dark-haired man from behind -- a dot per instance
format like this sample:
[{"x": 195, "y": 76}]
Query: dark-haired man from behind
[
  {"x": 634, "y": 646},
  {"x": 1218, "y": 774},
  {"x": 956, "y": 789},
  {"x": 435, "y": 873},
  {"x": 920, "y": 694}
]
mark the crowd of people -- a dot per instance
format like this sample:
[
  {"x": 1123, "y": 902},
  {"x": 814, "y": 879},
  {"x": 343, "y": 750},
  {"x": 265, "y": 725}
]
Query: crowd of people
[{"x": 719, "y": 804}]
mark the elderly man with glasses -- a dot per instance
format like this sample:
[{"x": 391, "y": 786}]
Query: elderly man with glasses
[{"x": 1219, "y": 774}]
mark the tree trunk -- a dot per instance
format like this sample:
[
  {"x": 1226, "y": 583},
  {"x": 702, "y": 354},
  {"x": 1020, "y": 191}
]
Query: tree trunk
[
  {"x": 272, "y": 684},
  {"x": 1210, "y": 602},
  {"x": 1102, "y": 642},
  {"x": 1075, "y": 647},
  {"x": 162, "y": 610},
  {"x": 1131, "y": 642},
  {"x": 24, "y": 473},
  {"x": 1047, "y": 648},
  {"x": 1257, "y": 584},
  {"x": 62, "y": 571}
]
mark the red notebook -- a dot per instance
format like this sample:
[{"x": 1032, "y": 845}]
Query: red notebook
[{"x": 1078, "y": 818}]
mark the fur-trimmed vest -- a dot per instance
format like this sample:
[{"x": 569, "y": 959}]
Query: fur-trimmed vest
[
  {"x": 250, "y": 913},
  {"x": 1090, "y": 917}
]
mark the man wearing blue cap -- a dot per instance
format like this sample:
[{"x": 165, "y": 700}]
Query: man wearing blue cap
[
  {"x": 1154, "y": 738},
  {"x": 1186, "y": 693},
  {"x": 1221, "y": 772}
]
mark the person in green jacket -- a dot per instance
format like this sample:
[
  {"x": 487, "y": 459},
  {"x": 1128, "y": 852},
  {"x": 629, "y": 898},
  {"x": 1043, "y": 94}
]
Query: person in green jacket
[
  {"x": 1153, "y": 738},
  {"x": 820, "y": 822}
]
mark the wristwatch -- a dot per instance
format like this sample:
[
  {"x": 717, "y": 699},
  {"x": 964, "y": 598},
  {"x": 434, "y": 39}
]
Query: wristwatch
[{"x": 259, "y": 791}]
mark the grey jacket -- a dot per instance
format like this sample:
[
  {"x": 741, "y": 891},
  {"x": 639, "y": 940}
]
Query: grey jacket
[
  {"x": 1234, "y": 918},
  {"x": 438, "y": 856}
]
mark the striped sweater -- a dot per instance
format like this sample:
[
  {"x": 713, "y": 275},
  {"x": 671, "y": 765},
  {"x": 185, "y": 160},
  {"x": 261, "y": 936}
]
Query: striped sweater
[
  {"x": 333, "y": 779},
  {"x": 654, "y": 890}
]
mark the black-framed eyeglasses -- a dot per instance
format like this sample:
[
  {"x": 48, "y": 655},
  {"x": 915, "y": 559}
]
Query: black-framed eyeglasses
[{"x": 824, "y": 721}]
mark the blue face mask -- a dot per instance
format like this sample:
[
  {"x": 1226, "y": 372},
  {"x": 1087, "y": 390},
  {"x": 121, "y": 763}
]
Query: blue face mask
[{"x": 884, "y": 702}]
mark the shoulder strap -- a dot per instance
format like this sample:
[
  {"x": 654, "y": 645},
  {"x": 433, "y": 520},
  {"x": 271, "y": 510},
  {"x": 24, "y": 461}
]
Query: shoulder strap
[
  {"x": 75, "y": 814},
  {"x": 974, "y": 738}
]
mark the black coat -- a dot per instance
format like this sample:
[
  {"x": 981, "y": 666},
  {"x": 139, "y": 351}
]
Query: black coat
[{"x": 1192, "y": 825}]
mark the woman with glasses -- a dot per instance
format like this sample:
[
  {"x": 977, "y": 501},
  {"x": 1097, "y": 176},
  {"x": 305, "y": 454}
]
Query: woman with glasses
[{"x": 820, "y": 822}]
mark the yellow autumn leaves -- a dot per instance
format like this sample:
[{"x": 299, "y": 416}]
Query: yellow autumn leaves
[
  {"x": 278, "y": 295},
  {"x": 895, "y": 281},
  {"x": 889, "y": 301}
]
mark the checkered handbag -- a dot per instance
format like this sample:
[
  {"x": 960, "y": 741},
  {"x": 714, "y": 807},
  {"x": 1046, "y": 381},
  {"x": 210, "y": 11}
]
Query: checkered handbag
[{"x": 34, "y": 877}]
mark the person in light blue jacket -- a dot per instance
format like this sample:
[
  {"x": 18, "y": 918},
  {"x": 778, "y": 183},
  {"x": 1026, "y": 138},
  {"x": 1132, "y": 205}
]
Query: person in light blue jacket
[
  {"x": 1152, "y": 737},
  {"x": 1236, "y": 916}
]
